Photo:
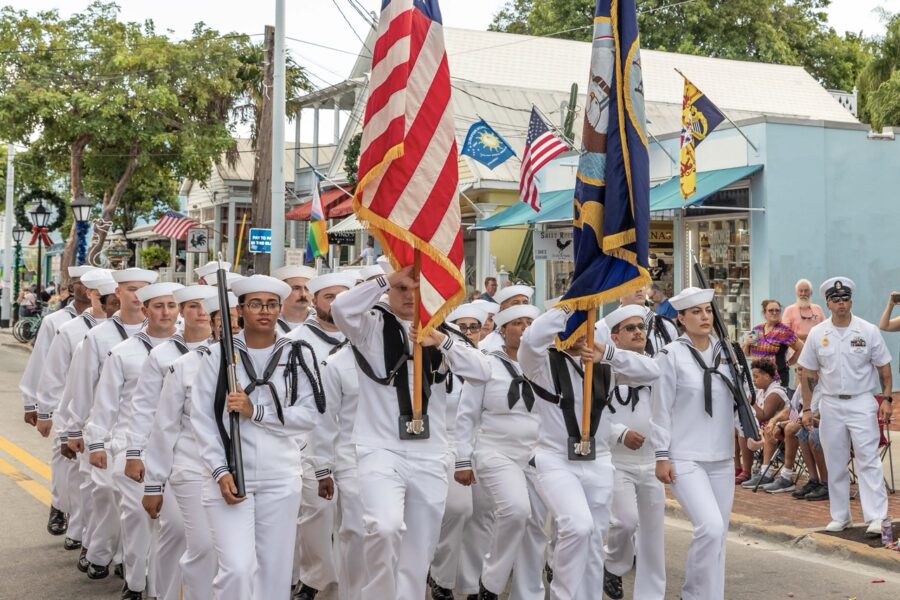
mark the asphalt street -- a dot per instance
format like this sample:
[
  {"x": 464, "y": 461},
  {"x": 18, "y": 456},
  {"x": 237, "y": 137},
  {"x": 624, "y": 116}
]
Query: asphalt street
[{"x": 34, "y": 565}]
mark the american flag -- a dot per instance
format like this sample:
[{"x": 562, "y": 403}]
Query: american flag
[
  {"x": 541, "y": 146},
  {"x": 408, "y": 172},
  {"x": 174, "y": 225}
]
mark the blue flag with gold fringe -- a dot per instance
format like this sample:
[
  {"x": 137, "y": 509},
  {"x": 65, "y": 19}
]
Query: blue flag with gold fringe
[
  {"x": 486, "y": 146},
  {"x": 612, "y": 191}
]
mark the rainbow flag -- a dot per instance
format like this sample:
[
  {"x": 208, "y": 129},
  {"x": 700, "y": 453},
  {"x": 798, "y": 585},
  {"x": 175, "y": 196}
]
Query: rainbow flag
[{"x": 317, "y": 240}]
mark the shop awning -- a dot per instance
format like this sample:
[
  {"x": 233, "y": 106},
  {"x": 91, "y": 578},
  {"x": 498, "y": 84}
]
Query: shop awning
[
  {"x": 335, "y": 202},
  {"x": 667, "y": 196},
  {"x": 349, "y": 225},
  {"x": 556, "y": 207}
]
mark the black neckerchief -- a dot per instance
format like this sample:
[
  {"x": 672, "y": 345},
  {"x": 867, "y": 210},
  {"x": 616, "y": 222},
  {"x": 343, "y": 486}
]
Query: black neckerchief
[
  {"x": 295, "y": 359},
  {"x": 71, "y": 310},
  {"x": 266, "y": 378},
  {"x": 313, "y": 326},
  {"x": 708, "y": 373},
  {"x": 119, "y": 327},
  {"x": 562, "y": 381},
  {"x": 180, "y": 344},
  {"x": 519, "y": 387},
  {"x": 396, "y": 363},
  {"x": 89, "y": 319},
  {"x": 143, "y": 338},
  {"x": 656, "y": 328},
  {"x": 631, "y": 398},
  {"x": 283, "y": 324}
]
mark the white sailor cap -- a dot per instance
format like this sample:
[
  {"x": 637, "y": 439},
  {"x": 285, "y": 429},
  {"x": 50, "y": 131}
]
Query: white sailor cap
[
  {"x": 691, "y": 296},
  {"x": 385, "y": 263},
  {"x": 211, "y": 267},
  {"x": 551, "y": 302},
  {"x": 194, "y": 292},
  {"x": 513, "y": 290},
  {"x": 516, "y": 312},
  {"x": 624, "y": 312},
  {"x": 370, "y": 271},
  {"x": 260, "y": 283},
  {"x": 155, "y": 290},
  {"x": 354, "y": 274},
  {"x": 837, "y": 285},
  {"x": 133, "y": 274},
  {"x": 284, "y": 273},
  {"x": 230, "y": 277},
  {"x": 94, "y": 278},
  {"x": 211, "y": 304},
  {"x": 81, "y": 271},
  {"x": 468, "y": 311},
  {"x": 330, "y": 280},
  {"x": 107, "y": 287},
  {"x": 491, "y": 308}
]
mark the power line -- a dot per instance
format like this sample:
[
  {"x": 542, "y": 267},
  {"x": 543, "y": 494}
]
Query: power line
[{"x": 350, "y": 25}]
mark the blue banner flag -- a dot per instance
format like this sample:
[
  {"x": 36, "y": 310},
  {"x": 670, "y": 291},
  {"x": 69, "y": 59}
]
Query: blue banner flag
[
  {"x": 486, "y": 146},
  {"x": 612, "y": 192}
]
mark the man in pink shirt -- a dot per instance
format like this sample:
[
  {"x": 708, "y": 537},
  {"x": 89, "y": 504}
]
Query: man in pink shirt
[{"x": 803, "y": 315}]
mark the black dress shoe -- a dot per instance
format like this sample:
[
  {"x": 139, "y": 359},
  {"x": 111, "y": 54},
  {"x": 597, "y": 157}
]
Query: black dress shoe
[
  {"x": 97, "y": 571},
  {"x": 119, "y": 571},
  {"x": 70, "y": 544},
  {"x": 612, "y": 585},
  {"x": 441, "y": 593},
  {"x": 83, "y": 562},
  {"x": 304, "y": 592},
  {"x": 486, "y": 594},
  {"x": 472, "y": 597},
  {"x": 58, "y": 523},
  {"x": 130, "y": 595},
  {"x": 548, "y": 572}
]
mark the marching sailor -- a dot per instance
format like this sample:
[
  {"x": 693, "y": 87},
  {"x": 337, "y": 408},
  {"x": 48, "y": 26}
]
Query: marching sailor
[
  {"x": 464, "y": 540},
  {"x": 403, "y": 482},
  {"x": 144, "y": 405},
  {"x": 207, "y": 273},
  {"x": 638, "y": 504},
  {"x": 295, "y": 310},
  {"x": 314, "y": 558},
  {"x": 57, "y": 523},
  {"x": 843, "y": 359},
  {"x": 491, "y": 308},
  {"x": 660, "y": 330},
  {"x": 50, "y": 392},
  {"x": 511, "y": 295},
  {"x": 278, "y": 402},
  {"x": 173, "y": 464},
  {"x": 85, "y": 371},
  {"x": 110, "y": 421},
  {"x": 692, "y": 433},
  {"x": 496, "y": 434},
  {"x": 576, "y": 488}
]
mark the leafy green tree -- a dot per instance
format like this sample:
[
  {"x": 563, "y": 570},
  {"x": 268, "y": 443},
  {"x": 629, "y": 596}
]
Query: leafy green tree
[
  {"x": 879, "y": 81},
  {"x": 776, "y": 31}
]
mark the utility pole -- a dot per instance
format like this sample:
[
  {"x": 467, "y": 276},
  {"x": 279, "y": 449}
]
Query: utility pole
[
  {"x": 262, "y": 180},
  {"x": 9, "y": 223},
  {"x": 278, "y": 120}
]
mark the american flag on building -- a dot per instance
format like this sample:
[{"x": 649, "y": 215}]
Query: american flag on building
[
  {"x": 408, "y": 171},
  {"x": 174, "y": 225},
  {"x": 541, "y": 146}
]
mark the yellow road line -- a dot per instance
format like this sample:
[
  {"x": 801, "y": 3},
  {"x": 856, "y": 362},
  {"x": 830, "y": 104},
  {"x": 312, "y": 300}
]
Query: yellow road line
[
  {"x": 41, "y": 493},
  {"x": 32, "y": 462}
]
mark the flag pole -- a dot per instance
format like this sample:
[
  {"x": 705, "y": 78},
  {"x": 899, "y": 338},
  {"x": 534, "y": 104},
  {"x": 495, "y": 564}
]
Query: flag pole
[
  {"x": 727, "y": 118},
  {"x": 587, "y": 390},
  {"x": 551, "y": 125},
  {"x": 240, "y": 241},
  {"x": 416, "y": 425}
]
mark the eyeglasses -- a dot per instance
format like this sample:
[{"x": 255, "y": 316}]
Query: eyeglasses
[
  {"x": 472, "y": 327},
  {"x": 257, "y": 306},
  {"x": 840, "y": 298},
  {"x": 773, "y": 311},
  {"x": 631, "y": 327}
]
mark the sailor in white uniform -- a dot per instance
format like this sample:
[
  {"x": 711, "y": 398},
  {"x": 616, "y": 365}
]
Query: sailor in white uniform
[
  {"x": 497, "y": 432},
  {"x": 206, "y": 273},
  {"x": 278, "y": 403},
  {"x": 844, "y": 359},
  {"x": 639, "y": 499},
  {"x": 577, "y": 488},
  {"x": 173, "y": 465},
  {"x": 403, "y": 482},
  {"x": 511, "y": 295},
  {"x": 314, "y": 554},
  {"x": 491, "y": 308},
  {"x": 692, "y": 433},
  {"x": 110, "y": 421},
  {"x": 87, "y": 366},
  {"x": 57, "y": 523},
  {"x": 456, "y": 565},
  {"x": 296, "y": 308},
  {"x": 659, "y": 329}
]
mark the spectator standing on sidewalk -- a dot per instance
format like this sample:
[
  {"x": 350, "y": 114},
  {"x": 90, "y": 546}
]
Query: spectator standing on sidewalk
[
  {"x": 661, "y": 305},
  {"x": 771, "y": 340},
  {"x": 803, "y": 315},
  {"x": 846, "y": 356},
  {"x": 887, "y": 323}
]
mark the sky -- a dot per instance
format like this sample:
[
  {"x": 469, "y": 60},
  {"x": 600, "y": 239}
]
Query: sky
[{"x": 326, "y": 42}]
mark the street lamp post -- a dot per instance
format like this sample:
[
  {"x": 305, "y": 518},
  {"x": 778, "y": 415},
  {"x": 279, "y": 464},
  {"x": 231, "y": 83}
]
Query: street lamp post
[
  {"x": 40, "y": 218},
  {"x": 17, "y": 234},
  {"x": 81, "y": 208}
]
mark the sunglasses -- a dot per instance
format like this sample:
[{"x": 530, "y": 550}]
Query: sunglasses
[
  {"x": 840, "y": 298},
  {"x": 632, "y": 327},
  {"x": 472, "y": 327}
]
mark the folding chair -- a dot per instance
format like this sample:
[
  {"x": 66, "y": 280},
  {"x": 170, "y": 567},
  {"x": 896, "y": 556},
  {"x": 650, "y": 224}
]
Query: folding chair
[{"x": 884, "y": 449}]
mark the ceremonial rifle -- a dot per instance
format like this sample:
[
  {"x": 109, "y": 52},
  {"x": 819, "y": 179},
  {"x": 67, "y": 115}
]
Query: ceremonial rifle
[
  {"x": 737, "y": 365},
  {"x": 234, "y": 418}
]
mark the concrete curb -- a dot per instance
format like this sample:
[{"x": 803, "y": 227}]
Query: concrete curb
[
  {"x": 8, "y": 341},
  {"x": 807, "y": 540}
]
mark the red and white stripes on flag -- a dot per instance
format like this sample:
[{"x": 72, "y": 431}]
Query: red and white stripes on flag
[
  {"x": 541, "y": 146},
  {"x": 174, "y": 225},
  {"x": 408, "y": 175}
]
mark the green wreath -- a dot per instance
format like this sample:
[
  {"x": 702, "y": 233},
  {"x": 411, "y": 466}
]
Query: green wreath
[{"x": 48, "y": 197}]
